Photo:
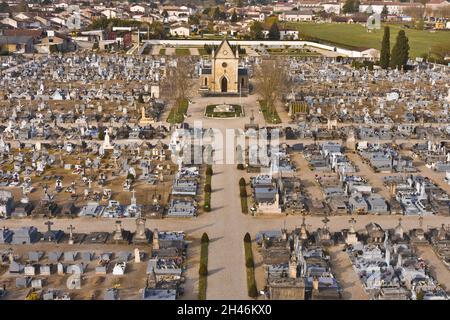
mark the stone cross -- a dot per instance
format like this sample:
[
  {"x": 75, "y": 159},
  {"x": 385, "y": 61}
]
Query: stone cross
[
  {"x": 325, "y": 221},
  {"x": 49, "y": 225},
  {"x": 352, "y": 222},
  {"x": 71, "y": 228}
]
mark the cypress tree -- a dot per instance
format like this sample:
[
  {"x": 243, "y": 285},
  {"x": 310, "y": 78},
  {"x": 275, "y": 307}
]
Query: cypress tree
[
  {"x": 234, "y": 17},
  {"x": 400, "y": 52},
  {"x": 274, "y": 32},
  {"x": 385, "y": 55}
]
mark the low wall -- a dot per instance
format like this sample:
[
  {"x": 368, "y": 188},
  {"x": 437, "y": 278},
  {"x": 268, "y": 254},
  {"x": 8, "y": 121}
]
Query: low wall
[{"x": 200, "y": 43}]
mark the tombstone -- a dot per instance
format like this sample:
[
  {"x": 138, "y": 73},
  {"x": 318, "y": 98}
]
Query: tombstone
[
  {"x": 30, "y": 270},
  {"x": 35, "y": 256},
  {"x": 124, "y": 256},
  {"x": 54, "y": 256},
  {"x": 87, "y": 256},
  {"x": 37, "y": 283},
  {"x": 137, "y": 255},
  {"x": 117, "y": 234},
  {"x": 23, "y": 282},
  {"x": 6, "y": 235},
  {"x": 45, "y": 270},
  {"x": 71, "y": 228},
  {"x": 70, "y": 256},
  {"x": 141, "y": 234},
  {"x": 25, "y": 235},
  {"x": 75, "y": 269},
  {"x": 156, "y": 239},
  {"x": 60, "y": 268},
  {"x": 119, "y": 269},
  {"x": 111, "y": 294},
  {"x": 15, "y": 267},
  {"x": 74, "y": 282}
]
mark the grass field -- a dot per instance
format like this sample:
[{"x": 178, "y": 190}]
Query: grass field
[
  {"x": 355, "y": 35},
  {"x": 271, "y": 116},
  {"x": 182, "y": 52},
  {"x": 176, "y": 115},
  {"x": 210, "y": 112}
]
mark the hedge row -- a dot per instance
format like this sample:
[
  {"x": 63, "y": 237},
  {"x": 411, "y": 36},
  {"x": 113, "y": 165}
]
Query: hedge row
[
  {"x": 203, "y": 269},
  {"x": 243, "y": 195},
  {"x": 250, "y": 267},
  {"x": 208, "y": 189}
]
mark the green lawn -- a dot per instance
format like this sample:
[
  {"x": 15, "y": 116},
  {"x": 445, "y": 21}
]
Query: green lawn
[
  {"x": 182, "y": 52},
  {"x": 355, "y": 35},
  {"x": 270, "y": 115},
  {"x": 210, "y": 112},
  {"x": 203, "y": 52},
  {"x": 176, "y": 115}
]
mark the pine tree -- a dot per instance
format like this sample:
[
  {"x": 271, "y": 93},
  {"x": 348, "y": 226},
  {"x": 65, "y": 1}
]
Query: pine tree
[
  {"x": 23, "y": 6},
  {"x": 385, "y": 54},
  {"x": 256, "y": 30},
  {"x": 234, "y": 17},
  {"x": 400, "y": 52},
  {"x": 274, "y": 32}
]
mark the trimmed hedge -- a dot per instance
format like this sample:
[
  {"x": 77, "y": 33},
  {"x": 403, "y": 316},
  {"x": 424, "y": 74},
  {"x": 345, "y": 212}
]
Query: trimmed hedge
[
  {"x": 208, "y": 189},
  {"x": 244, "y": 205},
  {"x": 203, "y": 269},
  {"x": 250, "y": 267},
  {"x": 243, "y": 195}
]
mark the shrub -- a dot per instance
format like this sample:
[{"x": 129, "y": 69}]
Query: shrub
[
  {"x": 243, "y": 193},
  {"x": 249, "y": 263},
  {"x": 207, "y": 205},
  {"x": 203, "y": 271},
  {"x": 252, "y": 291},
  {"x": 209, "y": 171},
  {"x": 247, "y": 238},
  {"x": 240, "y": 166},
  {"x": 208, "y": 188},
  {"x": 244, "y": 205},
  {"x": 205, "y": 238},
  {"x": 242, "y": 182}
]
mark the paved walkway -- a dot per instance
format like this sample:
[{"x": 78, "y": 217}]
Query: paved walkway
[
  {"x": 437, "y": 268},
  {"x": 341, "y": 266}
]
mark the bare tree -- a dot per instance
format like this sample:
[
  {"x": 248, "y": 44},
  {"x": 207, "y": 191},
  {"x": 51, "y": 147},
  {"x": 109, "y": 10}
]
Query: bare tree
[
  {"x": 272, "y": 81},
  {"x": 417, "y": 13},
  {"x": 178, "y": 80}
]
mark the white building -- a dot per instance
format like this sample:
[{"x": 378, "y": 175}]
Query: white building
[{"x": 297, "y": 15}]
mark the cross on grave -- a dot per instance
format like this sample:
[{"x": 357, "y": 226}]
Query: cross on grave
[
  {"x": 71, "y": 228},
  {"x": 49, "y": 225},
  {"x": 325, "y": 221},
  {"x": 352, "y": 222}
]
